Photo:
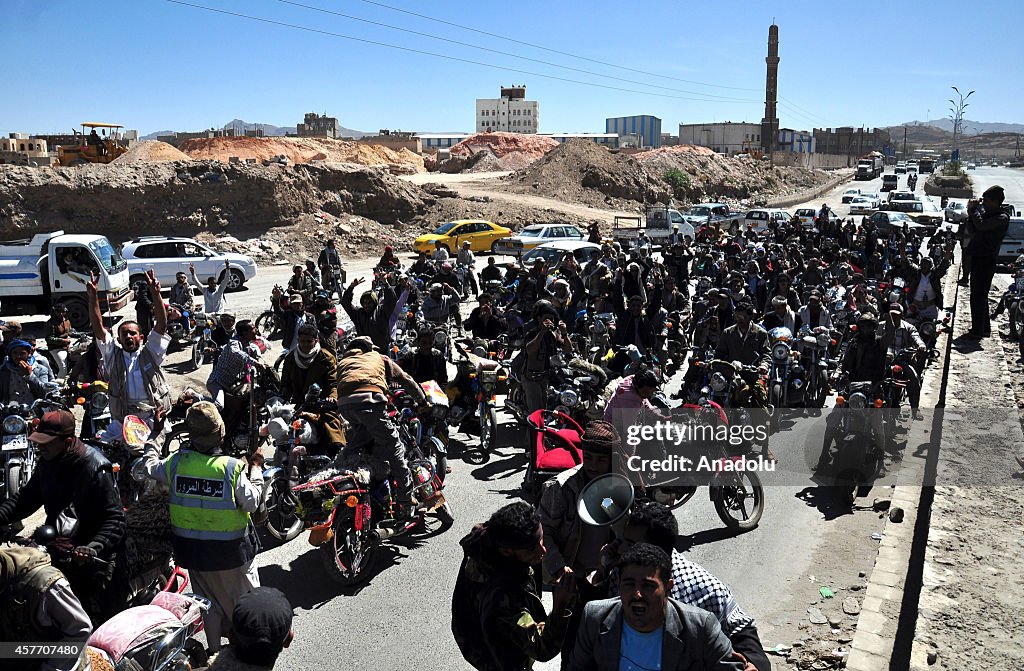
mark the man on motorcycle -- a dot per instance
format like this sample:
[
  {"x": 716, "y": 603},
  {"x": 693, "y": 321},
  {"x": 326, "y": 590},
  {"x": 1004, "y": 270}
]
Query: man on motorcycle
[
  {"x": 898, "y": 335},
  {"x": 925, "y": 285},
  {"x": 491, "y": 272},
  {"x": 440, "y": 254},
  {"x": 137, "y": 383},
  {"x": 71, "y": 474},
  {"x": 213, "y": 293},
  {"x": 780, "y": 315},
  {"x": 442, "y": 304},
  {"x": 22, "y": 378},
  {"x": 309, "y": 364},
  {"x": 446, "y": 275},
  {"x": 326, "y": 315},
  {"x": 483, "y": 322},
  {"x": 425, "y": 363},
  {"x": 328, "y": 261},
  {"x": 211, "y": 498},
  {"x": 422, "y": 265},
  {"x": 813, "y": 314},
  {"x": 314, "y": 275},
  {"x": 467, "y": 260},
  {"x": 864, "y": 362},
  {"x": 373, "y": 316},
  {"x": 301, "y": 283},
  {"x": 224, "y": 330},
  {"x": 630, "y": 399},
  {"x": 58, "y": 334},
  {"x": 388, "y": 261},
  {"x": 41, "y": 606},
  {"x": 364, "y": 382},
  {"x": 181, "y": 293},
  {"x": 633, "y": 328},
  {"x": 544, "y": 337},
  {"x": 747, "y": 342},
  {"x": 498, "y": 618},
  {"x": 233, "y": 358},
  {"x": 294, "y": 317}
]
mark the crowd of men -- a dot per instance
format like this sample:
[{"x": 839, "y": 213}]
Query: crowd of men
[{"x": 627, "y": 602}]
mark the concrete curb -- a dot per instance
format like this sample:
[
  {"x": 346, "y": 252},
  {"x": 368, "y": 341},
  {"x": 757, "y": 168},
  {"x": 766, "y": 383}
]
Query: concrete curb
[
  {"x": 875, "y": 637},
  {"x": 810, "y": 194}
]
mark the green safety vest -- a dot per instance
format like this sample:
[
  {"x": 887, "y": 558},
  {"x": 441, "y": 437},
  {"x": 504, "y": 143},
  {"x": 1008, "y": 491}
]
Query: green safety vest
[{"x": 202, "y": 497}]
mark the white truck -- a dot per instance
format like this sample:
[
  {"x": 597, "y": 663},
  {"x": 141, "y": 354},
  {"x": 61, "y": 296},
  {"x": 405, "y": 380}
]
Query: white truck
[
  {"x": 53, "y": 268},
  {"x": 658, "y": 225}
]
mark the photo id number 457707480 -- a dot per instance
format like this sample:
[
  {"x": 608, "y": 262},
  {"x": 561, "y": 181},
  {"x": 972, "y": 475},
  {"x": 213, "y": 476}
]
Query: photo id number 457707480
[{"x": 63, "y": 650}]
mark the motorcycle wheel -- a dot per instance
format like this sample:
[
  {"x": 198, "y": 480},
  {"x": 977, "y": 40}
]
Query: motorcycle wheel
[
  {"x": 266, "y": 324},
  {"x": 740, "y": 503},
  {"x": 13, "y": 480},
  {"x": 279, "y": 502},
  {"x": 177, "y": 439},
  {"x": 775, "y": 399},
  {"x": 488, "y": 431},
  {"x": 446, "y": 516},
  {"x": 350, "y": 554},
  {"x": 673, "y": 497},
  {"x": 197, "y": 353}
]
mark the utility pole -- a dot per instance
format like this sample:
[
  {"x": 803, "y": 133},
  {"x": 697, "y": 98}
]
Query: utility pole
[{"x": 904, "y": 143}]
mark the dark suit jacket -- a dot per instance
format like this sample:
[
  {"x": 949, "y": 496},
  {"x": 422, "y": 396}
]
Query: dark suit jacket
[{"x": 693, "y": 639}]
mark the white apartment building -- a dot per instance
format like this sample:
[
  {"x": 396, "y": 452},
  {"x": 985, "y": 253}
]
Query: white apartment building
[
  {"x": 723, "y": 137},
  {"x": 511, "y": 113}
]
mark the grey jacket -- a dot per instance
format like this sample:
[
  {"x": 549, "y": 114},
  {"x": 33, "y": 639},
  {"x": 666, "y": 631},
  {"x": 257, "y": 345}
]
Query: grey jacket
[{"x": 693, "y": 639}]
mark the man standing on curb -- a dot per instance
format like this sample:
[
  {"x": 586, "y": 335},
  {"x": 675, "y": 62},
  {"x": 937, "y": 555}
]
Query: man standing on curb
[{"x": 987, "y": 223}]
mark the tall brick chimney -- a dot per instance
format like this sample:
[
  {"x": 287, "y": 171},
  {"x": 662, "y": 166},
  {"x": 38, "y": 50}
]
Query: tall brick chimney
[{"x": 770, "y": 122}]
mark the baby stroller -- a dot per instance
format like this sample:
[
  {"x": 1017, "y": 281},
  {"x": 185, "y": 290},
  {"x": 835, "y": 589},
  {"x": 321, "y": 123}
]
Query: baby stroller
[{"x": 554, "y": 447}]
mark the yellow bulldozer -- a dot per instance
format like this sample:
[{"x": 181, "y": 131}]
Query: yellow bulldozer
[{"x": 93, "y": 147}]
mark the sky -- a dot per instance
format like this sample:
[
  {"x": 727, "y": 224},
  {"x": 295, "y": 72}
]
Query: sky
[{"x": 160, "y": 65}]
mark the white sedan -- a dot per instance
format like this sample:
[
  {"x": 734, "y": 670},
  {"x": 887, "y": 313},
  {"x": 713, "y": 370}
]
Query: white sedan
[
  {"x": 863, "y": 205},
  {"x": 849, "y": 195}
]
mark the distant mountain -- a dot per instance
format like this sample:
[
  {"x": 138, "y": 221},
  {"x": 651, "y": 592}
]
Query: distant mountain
[
  {"x": 982, "y": 126},
  {"x": 269, "y": 130}
]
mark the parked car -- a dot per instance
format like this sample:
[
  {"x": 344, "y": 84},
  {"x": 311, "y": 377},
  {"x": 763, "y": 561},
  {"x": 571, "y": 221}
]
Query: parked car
[
  {"x": 806, "y": 215},
  {"x": 863, "y": 205},
  {"x": 849, "y": 195},
  {"x": 168, "y": 256},
  {"x": 535, "y": 234},
  {"x": 1013, "y": 242},
  {"x": 554, "y": 252},
  {"x": 956, "y": 212},
  {"x": 758, "y": 219},
  {"x": 482, "y": 236}
]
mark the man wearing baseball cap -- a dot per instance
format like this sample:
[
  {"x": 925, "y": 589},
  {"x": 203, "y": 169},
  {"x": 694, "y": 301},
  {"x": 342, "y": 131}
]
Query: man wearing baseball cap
[
  {"x": 73, "y": 474},
  {"x": 261, "y": 627},
  {"x": 211, "y": 498}
]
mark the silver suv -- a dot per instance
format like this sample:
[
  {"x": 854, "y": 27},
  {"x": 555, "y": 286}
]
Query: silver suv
[{"x": 169, "y": 256}]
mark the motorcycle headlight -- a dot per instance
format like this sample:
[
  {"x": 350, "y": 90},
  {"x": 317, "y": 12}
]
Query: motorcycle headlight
[
  {"x": 14, "y": 425},
  {"x": 600, "y": 328},
  {"x": 439, "y": 411},
  {"x": 858, "y": 400},
  {"x": 99, "y": 401},
  {"x": 780, "y": 351},
  {"x": 824, "y": 340},
  {"x": 927, "y": 329},
  {"x": 569, "y": 398},
  {"x": 718, "y": 382}
]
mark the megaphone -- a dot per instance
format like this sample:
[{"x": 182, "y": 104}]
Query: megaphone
[{"x": 606, "y": 501}]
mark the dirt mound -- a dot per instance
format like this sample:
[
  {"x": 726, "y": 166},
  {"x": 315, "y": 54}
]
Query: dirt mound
[
  {"x": 504, "y": 151},
  {"x": 151, "y": 151},
  {"x": 583, "y": 172},
  {"x": 304, "y": 150},
  {"x": 126, "y": 200}
]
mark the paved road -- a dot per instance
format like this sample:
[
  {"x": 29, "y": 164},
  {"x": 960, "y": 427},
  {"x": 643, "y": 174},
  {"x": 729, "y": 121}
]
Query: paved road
[{"x": 400, "y": 619}]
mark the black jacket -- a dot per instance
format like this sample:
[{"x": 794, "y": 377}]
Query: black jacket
[
  {"x": 985, "y": 231},
  {"x": 82, "y": 478},
  {"x": 374, "y": 325},
  {"x": 865, "y": 360}
]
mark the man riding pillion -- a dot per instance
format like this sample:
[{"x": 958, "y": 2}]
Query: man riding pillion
[
  {"x": 74, "y": 475},
  {"x": 442, "y": 304},
  {"x": 306, "y": 365},
  {"x": 213, "y": 293},
  {"x": 373, "y": 316},
  {"x": 137, "y": 384},
  {"x": 211, "y": 498},
  {"x": 467, "y": 259},
  {"x": 364, "y": 382},
  {"x": 231, "y": 363}
]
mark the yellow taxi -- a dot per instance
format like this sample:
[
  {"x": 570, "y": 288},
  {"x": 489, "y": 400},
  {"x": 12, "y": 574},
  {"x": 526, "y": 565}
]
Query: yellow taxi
[{"x": 481, "y": 235}]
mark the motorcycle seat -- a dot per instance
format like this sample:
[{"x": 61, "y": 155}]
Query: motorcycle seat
[{"x": 130, "y": 628}]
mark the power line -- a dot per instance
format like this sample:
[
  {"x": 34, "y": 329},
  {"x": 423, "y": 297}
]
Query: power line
[
  {"x": 792, "y": 104},
  {"x": 549, "y": 49},
  {"x": 787, "y": 108},
  {"x": 506, "y": 53},
  {"x": 431, "y": 53}
]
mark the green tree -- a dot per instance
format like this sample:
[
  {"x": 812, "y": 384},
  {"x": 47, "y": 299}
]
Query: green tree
[{"x": 678, "y": 180}]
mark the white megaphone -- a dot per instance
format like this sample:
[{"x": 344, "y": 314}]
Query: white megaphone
[{"x": 606, "y": 501}]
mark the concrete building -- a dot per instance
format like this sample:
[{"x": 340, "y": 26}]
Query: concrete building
[
  {"x": 725, "y": 137},
  {"x": 851, "y": 141},
  {"x": 511, "y": 113},
  {"x": 609, "y": 140},
  {"x": 794, "y": 141},
  {"x": 433, "y": 141},
  {"x": 645, "y": 127},
  {"x": 319, "y": 125},
  {"x": 395, "y": 139},
  {"x": 22, "y": 149}
]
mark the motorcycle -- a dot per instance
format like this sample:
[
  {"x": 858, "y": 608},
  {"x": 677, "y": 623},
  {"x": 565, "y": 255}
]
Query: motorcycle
[
  {"x": 428, "y": 433},
  {"x": 204, "y": 349},
  {"x": 271, "y": 322},
  {"x": 159, "y": 636},
  {"x": 855, "y": 434},
  {"x": 786, "y": 376},
  {"x": 334, "y": 281},
  {"x": 813, "y": 345},
  {"x": 62, "y": 365},
  {"x": 181, "y": 323},
  {"x": 472, "y": 396},
  {"x": 736, "y": 493},
  {"x": 122, "y": 445},
  {"x": 95, "y": 402},
  {"x": 19, "y": 457}
]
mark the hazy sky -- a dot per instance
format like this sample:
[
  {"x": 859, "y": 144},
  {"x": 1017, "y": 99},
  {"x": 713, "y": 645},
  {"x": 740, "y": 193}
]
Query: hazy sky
[{"x": 156, "y": 64}]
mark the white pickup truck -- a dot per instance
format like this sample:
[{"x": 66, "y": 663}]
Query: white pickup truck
[
  {"x": 719, "y": 215},
  {"x": 658, "y": 225},
  {"x": 53, "y": 268}
]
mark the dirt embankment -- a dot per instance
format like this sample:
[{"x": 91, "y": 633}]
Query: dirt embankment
[
  {"x": 495, "y": 152},
  {"x": 304, "y": 150},
  {"x": 583, "y": 172},
  {"x": 187, "y": 198},
  {"x": 151, "y": 151}
]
